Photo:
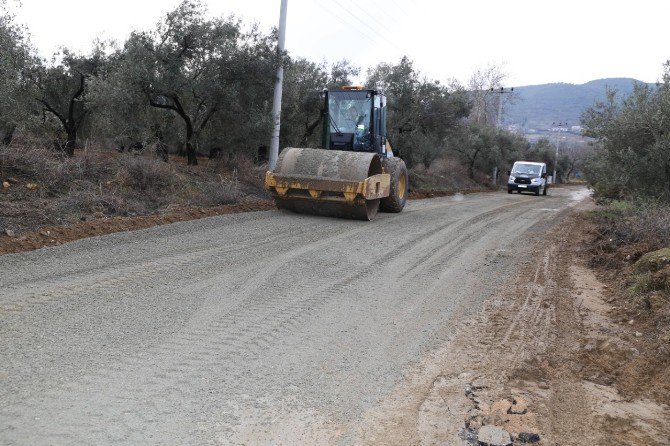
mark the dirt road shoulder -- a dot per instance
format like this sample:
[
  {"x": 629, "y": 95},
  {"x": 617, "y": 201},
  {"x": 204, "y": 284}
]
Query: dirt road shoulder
[
  {"x": 100, "y": 224},
  {"x": 57, "y": 235},
  {"x": 541, "y": 362}
]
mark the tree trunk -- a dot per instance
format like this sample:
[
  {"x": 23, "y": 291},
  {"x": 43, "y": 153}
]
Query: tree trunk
[
  {"x": 192, "y": 159},
  {"x": 9, "y": 135},
  {"x": 309, "y": 129},
  {"x": 190, "y": 154},
  {"x": 161, "y": 147},
  {"x": 71, "y": 142}
]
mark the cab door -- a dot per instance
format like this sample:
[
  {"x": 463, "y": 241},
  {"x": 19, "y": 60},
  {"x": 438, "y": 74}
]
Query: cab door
[{"x": 378, "y": 124}]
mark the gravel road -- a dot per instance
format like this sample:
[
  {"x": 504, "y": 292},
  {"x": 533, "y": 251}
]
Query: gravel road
[{"x": 243, "y": 328}]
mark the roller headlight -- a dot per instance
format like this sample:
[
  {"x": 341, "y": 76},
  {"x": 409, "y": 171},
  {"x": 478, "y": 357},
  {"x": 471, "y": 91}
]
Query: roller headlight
[{"x": 511, "y": 179}]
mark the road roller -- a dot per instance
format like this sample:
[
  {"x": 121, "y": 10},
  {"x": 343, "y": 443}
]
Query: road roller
[{"x": 355, "y": 174}]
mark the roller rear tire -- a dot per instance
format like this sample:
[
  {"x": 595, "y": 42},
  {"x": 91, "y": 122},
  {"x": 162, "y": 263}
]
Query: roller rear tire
[{"x": 397, "y": 198}]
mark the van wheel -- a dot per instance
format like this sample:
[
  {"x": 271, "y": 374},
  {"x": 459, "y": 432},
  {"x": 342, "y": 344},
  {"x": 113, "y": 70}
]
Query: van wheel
[
  {"x": 537, "y": 192},
  {"x": 545, "y": 190}
]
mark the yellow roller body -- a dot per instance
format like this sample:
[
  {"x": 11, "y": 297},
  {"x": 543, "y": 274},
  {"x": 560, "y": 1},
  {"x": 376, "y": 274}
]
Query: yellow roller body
[{"x": 328, "y": 182}]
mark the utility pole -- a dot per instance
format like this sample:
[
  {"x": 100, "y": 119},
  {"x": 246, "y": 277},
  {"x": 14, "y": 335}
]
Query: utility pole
[
  {"x": 276, "y": 101},
  {"x": 557, "y": 128},
  {"x": 500, "y": 92}
]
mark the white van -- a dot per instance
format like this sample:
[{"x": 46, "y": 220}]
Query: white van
[{"x": 528, "y": 176}]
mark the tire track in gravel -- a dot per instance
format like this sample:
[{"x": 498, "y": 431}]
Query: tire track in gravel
[
  {"x": 184, "y": 343},
  {"x": 246, "y": 341},
  {"x": 118, "y": 278},
  {"x": 275, "y": 319},
  {"x": 249, "y": 318},
  {"x": 534, "y": 309},
  {"x": 248, "y": 315},
  {"x": 440, "y": 253}
]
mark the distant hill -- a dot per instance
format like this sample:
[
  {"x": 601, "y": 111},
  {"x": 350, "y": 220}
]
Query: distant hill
[{"x": 538, "y": 106}]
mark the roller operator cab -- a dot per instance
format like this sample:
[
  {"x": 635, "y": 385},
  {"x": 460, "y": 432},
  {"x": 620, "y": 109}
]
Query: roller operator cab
[
  {"x": 354, "y": 174},
  {"x": 527, "y": 176},
  {"x": 356, "y": 121}
]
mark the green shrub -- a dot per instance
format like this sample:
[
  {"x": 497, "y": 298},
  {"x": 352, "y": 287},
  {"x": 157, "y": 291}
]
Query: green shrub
[
  {"x": 633, "y": 157},
  {"x": 640, "y": 284}
]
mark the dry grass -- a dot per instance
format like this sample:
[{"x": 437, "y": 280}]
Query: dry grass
[
  {"x": 46, "y": 188},
  {"x": 445, "y": 174},
  {"x": 632, "y": 223},
  {"x": 622, "y": 233}
]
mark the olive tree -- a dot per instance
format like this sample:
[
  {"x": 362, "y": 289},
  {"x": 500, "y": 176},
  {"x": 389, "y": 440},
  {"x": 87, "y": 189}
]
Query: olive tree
[
  {"x": 633, "y": 134},
  {"x": 61, "y": 91},
  {"x": 244, "y": 121},
  {"x": 197, "y": 68},
  {"x": 421, "y": 113},
  {"x": 16, "y": 59},
  {"x": 122, "y": 113}
]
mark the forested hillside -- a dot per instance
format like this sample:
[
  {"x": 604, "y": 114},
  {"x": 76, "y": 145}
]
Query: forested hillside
[{"x": 538, "y": 106}]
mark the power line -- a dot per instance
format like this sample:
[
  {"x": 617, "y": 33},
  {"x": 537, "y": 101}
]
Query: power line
[
  {"x": 394, "y": 45},
  {"x": 367, "y": 25},
  {"x": 383, "y": 11},
  {"x": 370, "y": 15},
  {"x": 346, "y": 23},
  {"x": 401, "y": 8},
  {"x": 331, "y": 13}
]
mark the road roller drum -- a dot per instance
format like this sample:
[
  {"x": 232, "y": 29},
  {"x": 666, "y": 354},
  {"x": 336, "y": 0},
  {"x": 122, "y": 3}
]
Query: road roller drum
[{"x": 329, "y": 182}]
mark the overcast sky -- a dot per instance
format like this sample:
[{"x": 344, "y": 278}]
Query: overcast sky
[{"x": 537, "y": 41}]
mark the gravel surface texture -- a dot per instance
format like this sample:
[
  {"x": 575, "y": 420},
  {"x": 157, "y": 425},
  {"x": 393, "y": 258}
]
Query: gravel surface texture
[{"x": 210, "y": 331}]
